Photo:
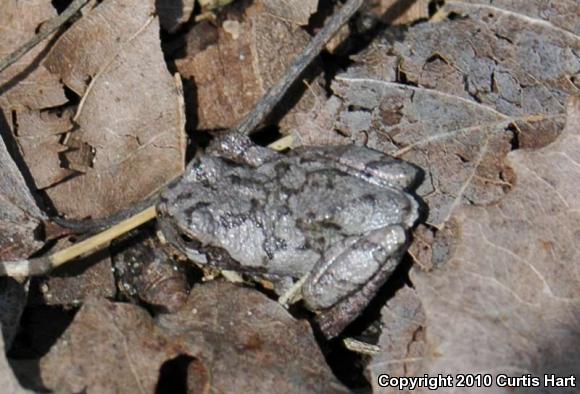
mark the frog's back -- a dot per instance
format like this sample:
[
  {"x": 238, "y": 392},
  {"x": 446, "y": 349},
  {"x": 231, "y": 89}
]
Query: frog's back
[
  {"x": 310, "y": 207},
  {"x": 282, "y": 217}
]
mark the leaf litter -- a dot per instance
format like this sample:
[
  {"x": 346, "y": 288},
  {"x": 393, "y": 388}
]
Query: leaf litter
[
  {"x": 507, "y": 298},
  {"x": 249, "y": 52},
  {"x": 476, "y": 96},
  {"x": 239, "y": 338},
  {"x": 453, "y": 97},
  {"x": 126, "y": 118}
]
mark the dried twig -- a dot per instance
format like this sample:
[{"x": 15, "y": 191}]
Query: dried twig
[
  {"x": 44, "y": 264},
  {"x": 45, "y": 30},
  {"x": 276, "y": 92}
]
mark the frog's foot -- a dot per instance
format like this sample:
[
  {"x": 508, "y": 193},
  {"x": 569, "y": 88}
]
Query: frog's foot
[
  {"x": 240, "y": 149},
  {"x": 343, "y": 283},
  {"x": 334, "y": 320}
]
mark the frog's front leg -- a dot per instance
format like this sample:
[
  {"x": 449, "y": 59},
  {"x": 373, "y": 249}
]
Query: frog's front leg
[
  {"x": 346, "y": 279},
  {"x": 240, "y": 149}
]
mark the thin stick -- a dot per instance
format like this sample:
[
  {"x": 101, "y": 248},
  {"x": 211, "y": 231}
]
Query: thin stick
[
  {"x": 41, "y": 265},
  {"x": 45, "y": 30},
  {"x": 276, "y": 92},
  {"x": 102, "y": 238}
]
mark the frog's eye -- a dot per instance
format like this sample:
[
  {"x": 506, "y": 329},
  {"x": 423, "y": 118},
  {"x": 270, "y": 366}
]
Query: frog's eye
[{"x": 189, "y": 242}]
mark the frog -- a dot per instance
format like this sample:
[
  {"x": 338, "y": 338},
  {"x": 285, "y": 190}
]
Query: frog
[{"x": 337, "y": 216}]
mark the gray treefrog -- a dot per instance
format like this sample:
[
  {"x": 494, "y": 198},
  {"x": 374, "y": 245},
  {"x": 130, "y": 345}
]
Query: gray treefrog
[{"x": 338, "y": 213}]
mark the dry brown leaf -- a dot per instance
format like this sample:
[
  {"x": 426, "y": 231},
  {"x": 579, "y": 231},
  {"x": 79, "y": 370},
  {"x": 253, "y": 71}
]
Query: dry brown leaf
[
  {"x": 27, "y": 83},
  {"x": 315, "y": 125},
  {"x": 250, "y": 343},
  {"x": 19, "y": 215},
  {"x": 24, "y": 86},
  {"x": 230, "y": 76},
  {"x": 39, "y": 136},
  {"x": 399, "y": 12},
  {"x": 71, "y": 284},
  {"x": 8, "y": 381},
  {"x": 295, "y": 11},
  {"x": 507, "y": 299},
  {"x": 130, "y": 116},
  {"x": 240, "y": 339},
  {"x": 454, "y": 98},
  {"x": 109, "y": 347},
  {"x": 559, "y": 14},
  {"x": 402, "y": 337}
]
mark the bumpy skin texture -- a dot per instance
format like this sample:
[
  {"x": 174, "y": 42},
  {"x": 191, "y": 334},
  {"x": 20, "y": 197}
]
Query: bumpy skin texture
[{"x": 338, "y": 213}]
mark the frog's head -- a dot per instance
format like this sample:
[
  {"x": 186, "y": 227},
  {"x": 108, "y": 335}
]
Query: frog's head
[
  {"x": 180, "y": 213},
  {"x": 178, "y": 231}
]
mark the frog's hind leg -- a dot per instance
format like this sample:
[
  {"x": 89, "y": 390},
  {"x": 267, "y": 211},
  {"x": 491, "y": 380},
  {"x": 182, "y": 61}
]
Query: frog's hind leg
[
  {"x": 343, "y": 283},
  {"x": 240, "y": 149},
  {"x": 371, "y": 165},
  {"x": 334, "y": 320}
]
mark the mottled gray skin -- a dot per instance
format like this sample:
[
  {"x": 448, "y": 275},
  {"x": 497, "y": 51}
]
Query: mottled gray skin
[{"x": 339, "y": 213}]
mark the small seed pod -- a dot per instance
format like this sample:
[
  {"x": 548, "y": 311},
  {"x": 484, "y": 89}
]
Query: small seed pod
[{"x": 145, "y": 273}]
